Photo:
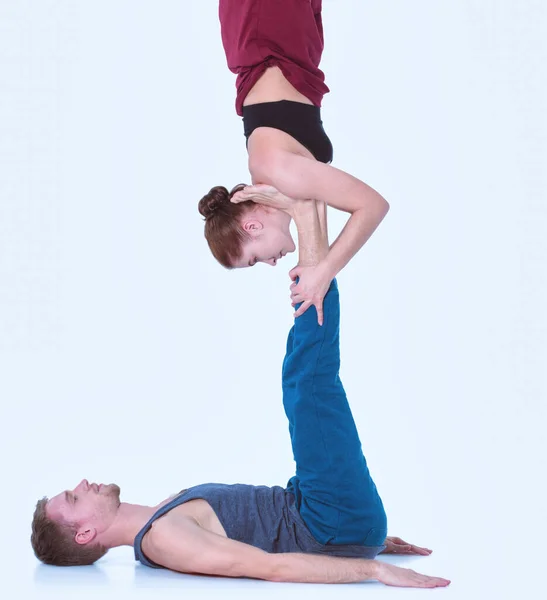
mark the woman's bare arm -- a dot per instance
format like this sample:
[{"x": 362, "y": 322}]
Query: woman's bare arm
[{"x": 298, "y": 176}]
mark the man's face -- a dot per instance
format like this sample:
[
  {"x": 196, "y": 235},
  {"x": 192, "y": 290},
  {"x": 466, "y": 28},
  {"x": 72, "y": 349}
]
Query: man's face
[{"x": 90, "y": 507}]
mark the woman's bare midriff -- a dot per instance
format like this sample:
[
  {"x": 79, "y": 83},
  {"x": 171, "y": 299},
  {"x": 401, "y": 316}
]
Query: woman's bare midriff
[{"x": 272, "y": 87}]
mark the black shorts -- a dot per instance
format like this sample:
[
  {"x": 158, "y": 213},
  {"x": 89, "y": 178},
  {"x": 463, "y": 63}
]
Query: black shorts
[{"x": 301, "y": 121}]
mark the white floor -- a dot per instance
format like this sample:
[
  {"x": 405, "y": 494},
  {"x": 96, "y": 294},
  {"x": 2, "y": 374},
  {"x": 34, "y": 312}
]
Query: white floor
[
  {"x": 476, "y": 547},
  {"x": 475, "y": 574}
]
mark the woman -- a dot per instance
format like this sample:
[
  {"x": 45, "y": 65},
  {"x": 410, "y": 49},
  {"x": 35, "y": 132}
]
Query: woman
[{"x": 275, "y": 48}]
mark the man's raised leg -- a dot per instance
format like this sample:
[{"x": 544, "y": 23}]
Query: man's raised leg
[{"x": 334, "y": 491}]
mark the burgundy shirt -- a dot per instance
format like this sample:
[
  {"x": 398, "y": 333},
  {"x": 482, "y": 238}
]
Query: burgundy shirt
[{"x": 257, "y": 34}]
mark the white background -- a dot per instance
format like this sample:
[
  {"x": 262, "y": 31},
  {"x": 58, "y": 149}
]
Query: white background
[{"x": 127, "y": 354}]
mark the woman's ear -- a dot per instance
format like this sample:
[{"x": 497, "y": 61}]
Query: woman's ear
[{"x": 252, "y": 226}]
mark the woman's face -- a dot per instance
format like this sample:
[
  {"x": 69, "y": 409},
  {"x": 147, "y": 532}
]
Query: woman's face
[{"x": 269, "y": 230}]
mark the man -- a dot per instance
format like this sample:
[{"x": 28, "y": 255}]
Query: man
[{"x": 326, "y": 526}]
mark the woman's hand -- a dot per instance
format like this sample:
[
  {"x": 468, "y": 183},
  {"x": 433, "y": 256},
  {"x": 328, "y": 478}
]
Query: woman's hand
[
  {"x": 395, "y": 545},
  {"x": 399, "y": 577},
  {"x": 267, "y": 195},
  {"x": 313, "y": 283}
]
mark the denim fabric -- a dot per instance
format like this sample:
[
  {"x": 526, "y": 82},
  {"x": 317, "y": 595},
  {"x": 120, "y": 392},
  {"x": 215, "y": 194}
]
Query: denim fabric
[
  {"x": 331, "y": 505},
  {"x": 334, "y": 491}
]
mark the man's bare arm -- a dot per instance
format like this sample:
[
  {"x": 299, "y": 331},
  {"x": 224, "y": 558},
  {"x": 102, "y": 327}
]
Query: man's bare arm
[
  {"x": 310, "y": 222},
  {"x": 186, "y": 547}
]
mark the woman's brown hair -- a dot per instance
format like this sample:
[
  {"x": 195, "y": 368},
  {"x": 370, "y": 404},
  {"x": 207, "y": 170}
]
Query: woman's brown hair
[{"x": 223, "y": 230}]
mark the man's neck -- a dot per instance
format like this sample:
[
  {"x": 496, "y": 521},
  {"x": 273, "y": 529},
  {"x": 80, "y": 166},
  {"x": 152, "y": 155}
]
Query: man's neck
[{"x": 130, "y": 519}]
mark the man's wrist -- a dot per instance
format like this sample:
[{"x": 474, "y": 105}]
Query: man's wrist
[{"x": 373, "y": 568}]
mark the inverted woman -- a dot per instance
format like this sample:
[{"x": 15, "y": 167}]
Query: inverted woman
[{"x": 275, "y": 48}]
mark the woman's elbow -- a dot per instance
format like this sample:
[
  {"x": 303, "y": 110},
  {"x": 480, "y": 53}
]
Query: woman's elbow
[{"x": 377, "y": 208}]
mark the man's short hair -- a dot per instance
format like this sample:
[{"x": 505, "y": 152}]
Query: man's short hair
[{"x": 53, "y": 542}]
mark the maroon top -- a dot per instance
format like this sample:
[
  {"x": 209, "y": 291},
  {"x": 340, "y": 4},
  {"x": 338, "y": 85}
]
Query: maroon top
[{"x": 257, "y": 34}]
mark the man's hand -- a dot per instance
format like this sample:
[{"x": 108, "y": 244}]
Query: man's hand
[
  {"x": 395, "y": 545},
  {"x": 313, "y": 283},
  {"x": 399, "y": 577},
  {"x": 267, "y": 195}
]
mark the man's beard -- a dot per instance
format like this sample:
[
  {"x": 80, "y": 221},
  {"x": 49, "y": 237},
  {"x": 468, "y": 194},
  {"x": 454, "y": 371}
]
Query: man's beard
[{"x": 114, "y": 491}]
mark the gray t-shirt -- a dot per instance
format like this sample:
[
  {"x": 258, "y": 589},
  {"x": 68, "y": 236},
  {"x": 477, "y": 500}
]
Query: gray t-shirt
[{"x": 264, "y": 517}]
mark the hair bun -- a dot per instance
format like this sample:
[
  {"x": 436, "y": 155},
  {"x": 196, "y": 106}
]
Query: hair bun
[{"x": 213, "y": 200}]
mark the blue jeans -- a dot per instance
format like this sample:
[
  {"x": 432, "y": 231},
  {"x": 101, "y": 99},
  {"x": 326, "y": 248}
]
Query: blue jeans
[{"x": 333, "y": 489}]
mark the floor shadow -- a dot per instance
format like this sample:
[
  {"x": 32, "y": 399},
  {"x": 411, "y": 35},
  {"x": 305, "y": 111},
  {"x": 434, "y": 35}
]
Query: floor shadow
[{"x": 90, "y": 576}]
